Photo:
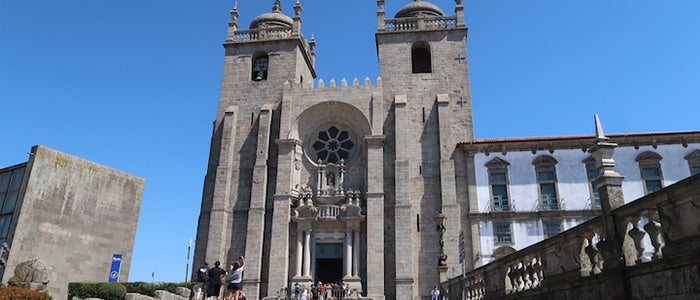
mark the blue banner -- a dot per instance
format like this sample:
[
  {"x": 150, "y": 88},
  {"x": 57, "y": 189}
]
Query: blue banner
[{"x": 114, "y": 270}]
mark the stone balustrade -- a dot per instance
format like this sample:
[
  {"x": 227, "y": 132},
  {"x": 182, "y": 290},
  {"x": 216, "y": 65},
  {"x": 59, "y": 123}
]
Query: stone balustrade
[
  {"x": 328, "y": 212},
  {"x": 661, "y": 238},
  {"x": 425, "y": 23},
  {"x": 262, "y": 34}
]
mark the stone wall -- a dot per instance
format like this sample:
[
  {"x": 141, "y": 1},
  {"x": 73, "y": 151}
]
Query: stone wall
[{"x": 74, "y": 215}]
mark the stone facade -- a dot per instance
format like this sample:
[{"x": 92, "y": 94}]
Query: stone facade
[
  {"x": 334, "y": 180},
  {"x": 320, "y": 180},
  {"x": 73, "y": 215}
]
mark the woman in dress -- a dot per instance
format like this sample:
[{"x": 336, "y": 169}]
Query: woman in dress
[{"x": 303, "y": 294}]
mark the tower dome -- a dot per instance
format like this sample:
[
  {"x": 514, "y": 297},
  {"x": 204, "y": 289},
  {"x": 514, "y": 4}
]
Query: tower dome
[
  {"x": 272, "y": 19},
  {"x": 418, "y": 7}
]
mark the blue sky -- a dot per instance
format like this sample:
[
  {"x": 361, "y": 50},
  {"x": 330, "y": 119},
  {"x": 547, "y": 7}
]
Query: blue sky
[{"x": 134, "y": 85}]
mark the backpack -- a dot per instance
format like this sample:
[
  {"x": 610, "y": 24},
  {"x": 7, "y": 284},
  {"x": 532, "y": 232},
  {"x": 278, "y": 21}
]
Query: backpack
[{"x": 202, "y": 275}]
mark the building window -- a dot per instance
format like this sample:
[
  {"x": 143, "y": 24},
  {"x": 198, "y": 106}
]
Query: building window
[
  {"x": 498, "y": 180},
  {"x": 332, "y": 145},
  {"x": 551, "y": 229},
  {"x": 545, "y": 168},
  {"x": 10, "y": 182},
  {"x": 592, "y": 173},
  {"x": 502, "y": 233},
  {"x": 650, "y": 168},
  {"x": 260, "y": 66},
  {"x": 420, "y": 58},
  {"x": 694, "y": 162}
]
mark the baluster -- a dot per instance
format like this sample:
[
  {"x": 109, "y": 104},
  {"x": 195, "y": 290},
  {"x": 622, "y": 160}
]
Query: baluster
[
  {"x": 592, "y": 252},
  {"x": 539, "y": 271},
  {"x": 519, "y": 276},
  {"x": 653, "y": 228},
  {"x": 530, "y": 274},
  {"x": 524, "y": 276},
  {"x": 512, "y": 273},
  {"x": 638, "y": 238}
]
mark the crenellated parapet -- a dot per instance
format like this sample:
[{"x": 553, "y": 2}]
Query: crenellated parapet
[{"x": 320, "y": 84}]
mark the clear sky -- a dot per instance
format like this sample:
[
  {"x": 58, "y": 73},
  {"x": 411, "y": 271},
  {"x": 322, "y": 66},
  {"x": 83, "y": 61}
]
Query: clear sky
[{"x": 134, "y": 84}]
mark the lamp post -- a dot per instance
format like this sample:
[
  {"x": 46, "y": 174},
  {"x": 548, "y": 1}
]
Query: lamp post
[
  {"x": 187, "y": 267},
  {"x": 440, "y": 221}
]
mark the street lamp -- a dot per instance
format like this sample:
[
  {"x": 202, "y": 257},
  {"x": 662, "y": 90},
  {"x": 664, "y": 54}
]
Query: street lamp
[
  {"x": 440, "y": 221},
  {"x": 187, "y": 267}
]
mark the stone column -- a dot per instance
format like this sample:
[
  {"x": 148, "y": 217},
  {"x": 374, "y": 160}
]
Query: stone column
[
  {"x": 347, "y": 257},
  {"x": 307, "y": 252},
  {"x": 356, "y": 254},
  {"x": 300, "y": 251}
]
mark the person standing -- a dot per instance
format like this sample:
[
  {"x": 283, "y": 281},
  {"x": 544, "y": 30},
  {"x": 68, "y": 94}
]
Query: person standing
[
  {"x": 214, "y": 282},
  {"x": 235, "y": 278},
  {"x": 303, "y": 294},
  {"x": 202, "y": 278},
  {"x": 296, "y": 290},
  {"x": 435, "y": 293},
  {"x": 321, "y": 291}
]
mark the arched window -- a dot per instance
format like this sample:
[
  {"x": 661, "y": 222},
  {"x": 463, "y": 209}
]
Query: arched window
[
  {"x": 650, "y": 168},
  {"x": 259, "y": 69},
  {"x": 545, "y": 169},
  {"x": 420, "y": 58}
]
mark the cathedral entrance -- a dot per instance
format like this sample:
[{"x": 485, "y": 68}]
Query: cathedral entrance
[
  {"x": 329, "y": 262},
  {"x": 329, "y": 270}
]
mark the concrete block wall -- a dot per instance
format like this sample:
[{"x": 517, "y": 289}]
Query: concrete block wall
[{"x": 74, "y": 215}]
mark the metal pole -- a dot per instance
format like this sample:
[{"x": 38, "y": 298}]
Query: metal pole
[{"x": 187, "y": 267}]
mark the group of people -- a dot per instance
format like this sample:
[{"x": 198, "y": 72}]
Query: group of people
[
  {"x": 321, "y": 291},
  {"x": 220, "y": 284}
]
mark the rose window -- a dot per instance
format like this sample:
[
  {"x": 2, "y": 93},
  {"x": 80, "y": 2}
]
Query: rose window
[{"x": 332, "y": 145}]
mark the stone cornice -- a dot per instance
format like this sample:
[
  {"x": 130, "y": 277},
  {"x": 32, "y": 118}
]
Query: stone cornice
[{"x": 583, "y": 142}]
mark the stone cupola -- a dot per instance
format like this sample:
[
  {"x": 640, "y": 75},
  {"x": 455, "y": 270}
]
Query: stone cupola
[
  {"x": 272, "y": 19},
  {"x": 419, "y": 8}
]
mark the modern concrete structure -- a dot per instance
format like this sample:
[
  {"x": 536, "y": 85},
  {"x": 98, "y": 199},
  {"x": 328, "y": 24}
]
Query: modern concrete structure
[
  {"x": 325, "y": 180},
  {"x": 71, "y": 213}
]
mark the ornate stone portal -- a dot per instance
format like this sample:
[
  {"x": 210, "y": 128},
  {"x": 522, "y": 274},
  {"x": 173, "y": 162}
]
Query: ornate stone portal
[{"x": 328, "y": 223}]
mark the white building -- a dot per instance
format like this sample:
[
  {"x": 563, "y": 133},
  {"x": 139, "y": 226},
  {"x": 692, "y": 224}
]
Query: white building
[{"x": 524, "y": 190}]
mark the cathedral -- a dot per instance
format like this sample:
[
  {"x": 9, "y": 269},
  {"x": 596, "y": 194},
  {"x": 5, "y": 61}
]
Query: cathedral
[{"x": 380, "y": 182}]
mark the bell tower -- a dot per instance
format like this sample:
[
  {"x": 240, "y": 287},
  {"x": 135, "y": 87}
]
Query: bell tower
[
  {"x": 243, "y": 154},
  {"x": 423, "y": 66}
]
